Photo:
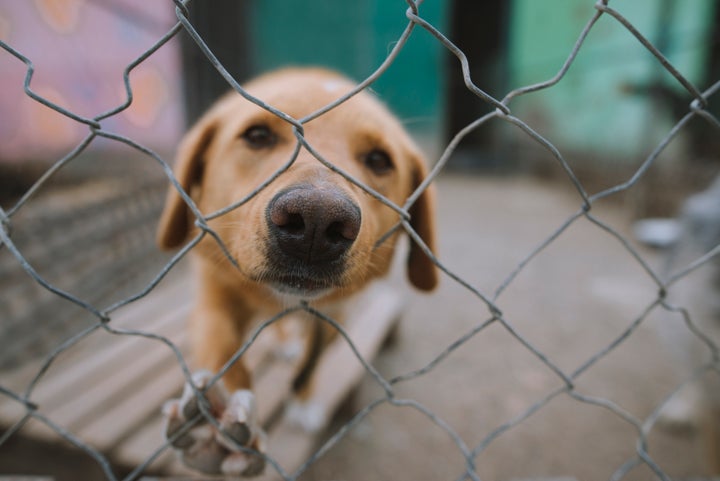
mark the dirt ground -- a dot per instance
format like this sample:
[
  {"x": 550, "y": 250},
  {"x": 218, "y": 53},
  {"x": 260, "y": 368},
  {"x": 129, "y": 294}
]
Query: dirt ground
[{"x": 570, "y": 302}]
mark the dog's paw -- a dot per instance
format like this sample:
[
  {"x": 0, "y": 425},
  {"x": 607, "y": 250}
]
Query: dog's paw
[
  {"x": 310, "y": 416},
  {"x": 683, "y": 412},
  {"x": 214, "y": 448}
]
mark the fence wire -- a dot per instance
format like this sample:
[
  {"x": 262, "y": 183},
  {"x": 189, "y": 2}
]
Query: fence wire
[{"x": 501, "y": 111}]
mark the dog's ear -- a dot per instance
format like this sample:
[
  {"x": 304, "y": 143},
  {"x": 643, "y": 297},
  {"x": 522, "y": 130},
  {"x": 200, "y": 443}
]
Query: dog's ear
[
  {"x": 174, "y": 225},
  {"x": 422, "y": 271}
]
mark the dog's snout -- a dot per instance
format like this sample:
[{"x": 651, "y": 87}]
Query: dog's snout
[{"x": 313, "y": 225}]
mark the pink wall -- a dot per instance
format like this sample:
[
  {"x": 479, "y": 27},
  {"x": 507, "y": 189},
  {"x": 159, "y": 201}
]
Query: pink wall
[{"x": 80, "y": 49}]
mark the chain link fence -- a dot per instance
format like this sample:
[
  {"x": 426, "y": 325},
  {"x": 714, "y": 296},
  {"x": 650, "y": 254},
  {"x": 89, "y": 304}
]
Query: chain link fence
[{"x": 501, "y": 111}]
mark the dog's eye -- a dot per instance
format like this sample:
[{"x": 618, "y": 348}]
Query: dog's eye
[
  {"x": 259, "y": 137},
  {"x": 379, "y": 161}
]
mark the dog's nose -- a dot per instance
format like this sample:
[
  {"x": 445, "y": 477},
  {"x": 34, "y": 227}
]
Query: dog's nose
[{"x": 313, "y": 225}]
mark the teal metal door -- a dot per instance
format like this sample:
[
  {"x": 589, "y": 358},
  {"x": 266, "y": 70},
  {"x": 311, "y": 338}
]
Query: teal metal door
[{"x": 355, "y": 38}]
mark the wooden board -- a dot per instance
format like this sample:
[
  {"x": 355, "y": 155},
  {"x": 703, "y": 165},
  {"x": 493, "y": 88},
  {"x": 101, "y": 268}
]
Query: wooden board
[
  {"x": 108, "y": 390},
  {"x": 338, "y": 372}
]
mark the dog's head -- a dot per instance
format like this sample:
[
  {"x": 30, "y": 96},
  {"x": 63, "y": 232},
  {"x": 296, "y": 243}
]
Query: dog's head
[{"x": 310, "y": 231}]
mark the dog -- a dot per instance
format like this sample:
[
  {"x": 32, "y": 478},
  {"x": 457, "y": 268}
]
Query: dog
[{"x": 311, "y": 234}]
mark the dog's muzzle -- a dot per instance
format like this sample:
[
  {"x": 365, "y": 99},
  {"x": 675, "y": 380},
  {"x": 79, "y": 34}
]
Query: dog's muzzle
[{"x": 311, "y": 229}]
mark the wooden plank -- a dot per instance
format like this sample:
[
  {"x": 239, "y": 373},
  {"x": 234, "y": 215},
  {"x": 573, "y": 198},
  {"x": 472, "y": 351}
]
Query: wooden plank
[
  {"x": 139, "y": 445},
  {"x": 338, "y": 372},
  {"x": 130, "y": 410},
  {"x": 76, "y": 388},
  {"x": 103, "y": 400},
  {"x": 339, "y": 369},
  {"x": 149, "y": 314},
  {"x": 64, "y": 379},
  {"x": 175, "y": 290},
  {"x": 272, "y": 389},
  {"x": 67, "y": 377},
  {"x": 111, "y": 398}
]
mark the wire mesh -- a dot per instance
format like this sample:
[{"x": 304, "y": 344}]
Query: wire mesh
[{"x": 501, "y": 111}]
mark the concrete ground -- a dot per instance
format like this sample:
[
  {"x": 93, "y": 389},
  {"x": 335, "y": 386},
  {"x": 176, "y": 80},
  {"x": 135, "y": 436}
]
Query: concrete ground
[{"x": 570, "y": 302}]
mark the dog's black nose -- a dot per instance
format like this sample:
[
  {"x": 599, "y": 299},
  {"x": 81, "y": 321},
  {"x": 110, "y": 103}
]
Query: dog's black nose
[{"x": 313, "y": 224}]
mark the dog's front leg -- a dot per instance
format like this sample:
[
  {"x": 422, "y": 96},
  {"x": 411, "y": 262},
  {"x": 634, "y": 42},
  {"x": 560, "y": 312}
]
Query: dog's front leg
[
  {"x": 229, "y": 443},
  {"x": 217, "y": 332},
  {"x": 304, "y": 410}
]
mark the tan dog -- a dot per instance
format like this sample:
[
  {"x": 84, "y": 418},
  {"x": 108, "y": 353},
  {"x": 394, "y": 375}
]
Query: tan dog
[{"x": 311, "y": 234}]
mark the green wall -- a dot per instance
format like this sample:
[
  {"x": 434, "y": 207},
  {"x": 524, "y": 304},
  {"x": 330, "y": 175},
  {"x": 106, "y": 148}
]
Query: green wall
[
  {"x": 355, "y": 37},
  {"x": 594, "y": 108}
]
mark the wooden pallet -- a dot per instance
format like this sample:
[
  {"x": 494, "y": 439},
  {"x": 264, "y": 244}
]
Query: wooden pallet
[{"x": 108, "y": 390}]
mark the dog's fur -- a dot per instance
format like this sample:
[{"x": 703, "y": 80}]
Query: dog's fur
[{"x": 311, "y": 233}]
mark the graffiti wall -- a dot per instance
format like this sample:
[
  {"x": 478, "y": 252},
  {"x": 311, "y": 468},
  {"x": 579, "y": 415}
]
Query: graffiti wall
[{"x": 79, "y": 51}]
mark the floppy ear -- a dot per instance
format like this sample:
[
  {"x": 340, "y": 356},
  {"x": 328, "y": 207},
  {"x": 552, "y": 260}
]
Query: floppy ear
[
  {"x": 175, "y": 223},
  {"x": 422, "y": 272}
]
